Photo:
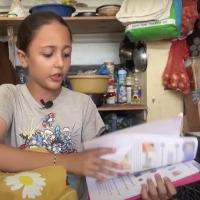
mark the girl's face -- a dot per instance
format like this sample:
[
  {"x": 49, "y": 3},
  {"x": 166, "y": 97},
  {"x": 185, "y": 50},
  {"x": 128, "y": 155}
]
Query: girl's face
[{"x": 49, "y": 56}]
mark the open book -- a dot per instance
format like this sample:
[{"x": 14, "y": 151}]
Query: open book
[{"x": 144, "y": 150}]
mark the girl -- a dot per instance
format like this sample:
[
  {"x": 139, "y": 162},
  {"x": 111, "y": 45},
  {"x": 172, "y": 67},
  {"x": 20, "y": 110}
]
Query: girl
[{"x": 43, "y": 114}]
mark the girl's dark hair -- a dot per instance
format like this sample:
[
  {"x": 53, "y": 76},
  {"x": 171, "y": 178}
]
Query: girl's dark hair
[{"x": 32, "y": 23}]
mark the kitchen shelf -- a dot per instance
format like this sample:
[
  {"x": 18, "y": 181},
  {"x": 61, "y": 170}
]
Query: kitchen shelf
[
  {"x": 122, "y": 107},
  {"x": 78, "y": 25}
]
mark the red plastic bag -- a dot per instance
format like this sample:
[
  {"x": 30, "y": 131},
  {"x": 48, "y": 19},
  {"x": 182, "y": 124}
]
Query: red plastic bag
[
  {"x": 175, "y": 76},
  {"x": 189, "y": 16}
]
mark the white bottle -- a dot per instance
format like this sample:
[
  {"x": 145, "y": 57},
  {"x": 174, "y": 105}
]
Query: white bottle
[
  {"x": 129, "y": 89},
  {"x": 122, "y": 73},
  {"x": 122, "y": 96},
  {"x": 136, "y": 91}
]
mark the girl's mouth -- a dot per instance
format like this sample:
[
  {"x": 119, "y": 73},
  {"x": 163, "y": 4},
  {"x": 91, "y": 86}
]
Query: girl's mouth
[{"x": 57, "y": 77}]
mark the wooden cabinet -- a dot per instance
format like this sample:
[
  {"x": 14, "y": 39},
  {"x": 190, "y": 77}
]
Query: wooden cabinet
[
  {"x": 78, "y": 25},
  {"x": 121, "y": 107}
]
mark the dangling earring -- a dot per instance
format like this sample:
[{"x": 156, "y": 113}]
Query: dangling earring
[{"x": 24, "y": 66}]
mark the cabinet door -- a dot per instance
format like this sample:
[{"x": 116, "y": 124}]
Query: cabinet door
[{"x": 161, "y": 103}]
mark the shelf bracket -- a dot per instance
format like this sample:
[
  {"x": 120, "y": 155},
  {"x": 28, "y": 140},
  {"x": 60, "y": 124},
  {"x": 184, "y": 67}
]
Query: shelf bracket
[{"x": 11, "y": 45}]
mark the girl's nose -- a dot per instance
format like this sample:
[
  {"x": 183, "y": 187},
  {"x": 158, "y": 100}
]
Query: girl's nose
[{"x": 59, "y": 61}]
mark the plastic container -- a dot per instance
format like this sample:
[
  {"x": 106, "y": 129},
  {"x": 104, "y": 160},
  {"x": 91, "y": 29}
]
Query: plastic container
[
  {"x": 108, "y": 10},
  {"x": 129, "y": 89},
  {"x": 111, "y": 95},
  {"x": 122, "y": 73},
  {"x": 59, "y": 9},
  {"x": 136, "y": 91},
  {"x": 89, "y": 84}
]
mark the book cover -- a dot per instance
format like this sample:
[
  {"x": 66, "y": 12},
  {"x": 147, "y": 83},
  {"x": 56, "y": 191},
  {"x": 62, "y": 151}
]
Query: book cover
[{"x": 145, "y": 150}]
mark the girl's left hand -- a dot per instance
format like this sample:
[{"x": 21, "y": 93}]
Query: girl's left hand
[{"x": 164, "y": 190}]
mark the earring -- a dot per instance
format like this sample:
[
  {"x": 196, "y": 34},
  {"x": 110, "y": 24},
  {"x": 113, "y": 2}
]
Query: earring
[{"x": 24, "y": 65}]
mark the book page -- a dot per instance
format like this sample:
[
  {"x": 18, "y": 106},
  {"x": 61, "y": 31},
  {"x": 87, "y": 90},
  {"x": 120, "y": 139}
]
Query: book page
[
  {"x": 129, "y": 187},
  {"x": 165, "y": 127},
  {"x": 139, "y": 152}
]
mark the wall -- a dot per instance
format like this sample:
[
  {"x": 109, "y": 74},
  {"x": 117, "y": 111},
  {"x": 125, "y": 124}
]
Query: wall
[
  {"x": 94, "y": 49},
  {"x": 161, "y": 103}
]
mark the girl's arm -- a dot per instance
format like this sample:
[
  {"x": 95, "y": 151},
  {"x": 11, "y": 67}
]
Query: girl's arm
[
  {"x": 87, "y": 163},
  {"x": 15, "y": 160}
]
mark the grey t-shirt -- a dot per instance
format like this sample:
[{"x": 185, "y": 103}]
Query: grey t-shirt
[{"x": 71, "y": 120}]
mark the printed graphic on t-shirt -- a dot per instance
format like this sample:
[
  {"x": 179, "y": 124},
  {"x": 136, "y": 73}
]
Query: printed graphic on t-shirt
[{"x": 51, "y": 137}]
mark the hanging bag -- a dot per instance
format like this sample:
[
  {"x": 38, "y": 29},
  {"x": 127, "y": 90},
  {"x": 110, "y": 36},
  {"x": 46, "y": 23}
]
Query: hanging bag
[
  {"x": 137, "y": 11},
  {"x": 158, "y": 29}
]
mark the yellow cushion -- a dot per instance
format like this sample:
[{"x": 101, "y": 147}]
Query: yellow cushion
[{"x": 46, "y": 183}]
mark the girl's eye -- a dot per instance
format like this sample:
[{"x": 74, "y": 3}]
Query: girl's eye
[
  {"x": 47, "y": 55},
  {"x": 67, "y": 54}
]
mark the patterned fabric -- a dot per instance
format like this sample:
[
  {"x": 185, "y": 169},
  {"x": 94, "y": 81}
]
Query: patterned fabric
[
  {"x": 40, "y": 184},
  {"x": 51, "y": 137}
]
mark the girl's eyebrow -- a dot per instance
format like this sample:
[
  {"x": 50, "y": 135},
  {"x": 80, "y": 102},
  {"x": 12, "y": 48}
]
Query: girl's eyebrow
[
  {"x": 53, "y": 46},
  {"x": 68, "y": 46}
]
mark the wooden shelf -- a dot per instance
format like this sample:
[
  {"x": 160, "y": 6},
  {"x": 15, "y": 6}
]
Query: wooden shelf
[
  {"x": 78, "y": 25},
  {"x": 122, "y": 107}
]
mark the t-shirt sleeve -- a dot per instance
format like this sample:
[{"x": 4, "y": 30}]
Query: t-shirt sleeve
[
  {"x": 93, "y": 124},
  {"x": 6, "y": 103}
]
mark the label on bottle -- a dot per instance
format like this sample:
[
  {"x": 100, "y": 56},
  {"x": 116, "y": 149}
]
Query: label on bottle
[
  {"x": 110, "y": 100},
  {"x": 122, "y": 76},
  {"x": 122, "y": 96},
  {"x": 136, "y": 95},
  {"x": 129, "y": 94}
]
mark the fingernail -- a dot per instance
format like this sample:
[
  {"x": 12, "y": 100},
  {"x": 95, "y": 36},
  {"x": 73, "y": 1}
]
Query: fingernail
[
  {"x": 166, "y": 179},
  {"x": 157, "y": 175},
  {"x": 143, "y": 186}
]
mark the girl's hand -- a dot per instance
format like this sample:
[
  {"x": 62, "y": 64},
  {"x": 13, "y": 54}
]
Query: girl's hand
[
  {"x": 164, "y": 190},
  {"x": 90, "y": 163}
]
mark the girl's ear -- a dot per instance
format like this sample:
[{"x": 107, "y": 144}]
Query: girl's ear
[{"x": 22, "y": 58}]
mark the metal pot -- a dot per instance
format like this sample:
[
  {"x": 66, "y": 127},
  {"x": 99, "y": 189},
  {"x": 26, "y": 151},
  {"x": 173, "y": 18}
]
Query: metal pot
[
  {"x": 126, "y": 53},
  {"x": 140, "y": 57},
  {"x": 133, "y": 55}
]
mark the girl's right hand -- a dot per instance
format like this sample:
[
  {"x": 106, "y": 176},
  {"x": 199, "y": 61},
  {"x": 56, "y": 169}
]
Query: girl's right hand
[
  {"x": 90, "y": 163},
  {"x": 163, "y": 190}
]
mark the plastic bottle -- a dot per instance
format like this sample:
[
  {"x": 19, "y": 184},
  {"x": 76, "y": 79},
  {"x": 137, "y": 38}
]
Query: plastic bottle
[
  {"x": 129, "y": 89},
  {"x": 136, "y": 90},
  {"x": 111, "y": 68},
  {"x": 111, "y": 95},
  {"x": 122, "y": 96},
  {"x": 122, "y": 73}
]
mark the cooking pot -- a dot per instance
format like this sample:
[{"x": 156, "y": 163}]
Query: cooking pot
[
  {"x": 126, "y": 49},
  {"x": 140, "y": 57},
  {"x": 133, "y": 55}
]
